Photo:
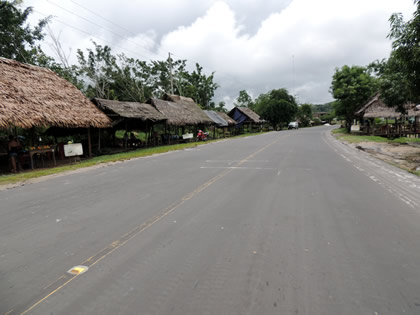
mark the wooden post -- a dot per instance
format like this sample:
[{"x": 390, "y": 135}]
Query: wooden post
[
  {"x": 146, "y": 140},
  {"x": 124, "y": 139},
  {"x": 373, "y": 126},
  {"x": 99, "y": 139},
  {"x": 89, "y": 143},
  {"x": 152, "y": 135}
]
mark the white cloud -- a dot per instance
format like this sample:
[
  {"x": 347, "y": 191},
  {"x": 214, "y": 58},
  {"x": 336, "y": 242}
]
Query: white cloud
[
  {"x": 251, "y": 44},
  {"x": 317, "y": 35}
]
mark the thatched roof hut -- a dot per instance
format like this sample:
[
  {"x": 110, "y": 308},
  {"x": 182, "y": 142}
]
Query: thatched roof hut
[
  {"x": 181, "y": 111},
  {"x": 229, "y": 120},
  {"x": 34, "y": 96},
  {"x": 117, "y": 110},
  {"x": 376, "y": 108},
  {"x": 218, "y": 121},
  {"x": 244, "y": 115}
]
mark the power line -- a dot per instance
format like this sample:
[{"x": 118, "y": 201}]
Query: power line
[
  {"x": 103, "y": 18},
  {"x": 119, "y": 26},
  {"x": 82, "y": 31},
  {"x": 96, "y": 24},
  {"x": 104, "y": 40}
]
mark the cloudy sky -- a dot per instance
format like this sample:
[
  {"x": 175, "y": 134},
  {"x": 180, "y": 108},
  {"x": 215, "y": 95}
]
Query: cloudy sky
[{"x": 253, "y": 45}]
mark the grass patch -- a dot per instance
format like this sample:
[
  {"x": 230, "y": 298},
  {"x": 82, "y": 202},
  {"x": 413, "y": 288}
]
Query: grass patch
[
  {"x": 342, "y": 134},
  {"x": 27, "y": 175},
  {"x": 339, "y": 130}
]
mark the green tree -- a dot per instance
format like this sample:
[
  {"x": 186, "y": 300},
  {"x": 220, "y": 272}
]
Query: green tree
[
  {"x": 244, "y": 100},
  {"x": 399, "y": 76},
  {"x": 18, "y": 40},
  {"x": 277, "y": 106},
  {"x": 129, "y": 79},
  {"x": 304, "y": 114},
  {"x": 200, "y": 87},
  {"x": 351, "y": 87},
  {"x": 98, "y": 67},
  {"x": 221, "y": 107}
]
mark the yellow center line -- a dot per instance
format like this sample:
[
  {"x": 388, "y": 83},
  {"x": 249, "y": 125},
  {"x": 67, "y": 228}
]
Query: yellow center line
[{"x": 93, "y": 260}]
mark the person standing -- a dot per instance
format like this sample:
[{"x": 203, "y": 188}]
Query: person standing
[{"x": 13, "y": 148}]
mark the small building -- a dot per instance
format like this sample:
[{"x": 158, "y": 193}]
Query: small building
[
  {"x": 32, "y": 96},
  {"x": 35, "y": 96},
  {"x": 231, "y": 122},
  {"x": 219, "y": 122},
  {"x": 181, "y": 111},
  {"x": 246, "y": 117},
  {"x": 130, "y": 115},
  {"x": 394, "y": 123}
]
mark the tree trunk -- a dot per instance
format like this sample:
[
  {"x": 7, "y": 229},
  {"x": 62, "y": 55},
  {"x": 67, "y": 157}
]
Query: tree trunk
[{"x": 348, "y": 125}]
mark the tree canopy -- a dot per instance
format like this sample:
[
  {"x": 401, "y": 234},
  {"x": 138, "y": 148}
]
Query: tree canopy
[
  {"x": 399, "y": 75},
  {"x": 244, "y": 100},
  {"x": 277, "y": 106},
  {"x": 304, "y": 114},
  {"x": 351, "y": 87},
  {"x": 129, "y": 79},
  {"x": 18, "y": 40}
]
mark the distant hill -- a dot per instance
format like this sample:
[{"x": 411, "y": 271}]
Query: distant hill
[{"x": 327, "y": 107}]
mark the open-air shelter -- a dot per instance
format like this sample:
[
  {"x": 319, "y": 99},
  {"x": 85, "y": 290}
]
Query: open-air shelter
[
  {"x": 218, "y": 121},
  {"x": 245, "y": 116},
  {"x": 396, "y": 123},
  {"x": 181, "y": 112},
  {"x": 130, "y": 115},
  {"x": 32, "y": 96}
]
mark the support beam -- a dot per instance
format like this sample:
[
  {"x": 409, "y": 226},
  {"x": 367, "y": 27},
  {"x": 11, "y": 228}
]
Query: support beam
[{"x": 89, "y": 143}]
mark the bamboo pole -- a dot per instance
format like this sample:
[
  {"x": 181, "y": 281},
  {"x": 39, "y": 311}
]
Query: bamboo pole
[{"x": 89, "y": 143}]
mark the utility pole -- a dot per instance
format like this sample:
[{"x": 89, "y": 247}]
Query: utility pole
[
  {"x": 170, "y": 73},
  {"x": 293, "y": 83}
]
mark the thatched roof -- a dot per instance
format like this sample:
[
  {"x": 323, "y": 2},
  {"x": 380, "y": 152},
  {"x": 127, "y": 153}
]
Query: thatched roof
[
  {"x": 181, "y": 111},
  {"x": 219, "y": 121},
  {"x": 251, "y": 116},
  {"x": 376, "y": 108},
  {"x": 229, "y": 120},
  {"x": 34, "y": 96},
  {"x": 131, "y": 110}
]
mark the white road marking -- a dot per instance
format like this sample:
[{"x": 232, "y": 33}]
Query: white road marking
[
  {"x": 400, "y": 183},
  {"x": 238, "y": 167},
  {"x": 234, "y": 161}
]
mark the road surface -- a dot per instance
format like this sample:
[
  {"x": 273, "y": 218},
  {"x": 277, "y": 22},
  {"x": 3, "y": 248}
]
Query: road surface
[{"x": 289, "y": 222}]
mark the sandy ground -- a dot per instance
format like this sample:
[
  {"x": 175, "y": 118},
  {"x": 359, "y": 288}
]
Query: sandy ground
[{"x": 406, "y": 156}]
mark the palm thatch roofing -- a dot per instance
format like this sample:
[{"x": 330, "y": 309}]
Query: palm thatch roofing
[
  {"x": 229, "y": 120},
  {"x": 131, "y": 110},
  {"x": 34, "y": 96},
  {"x": 219, "y": 121},
  {"x": 181, "y": 111},
  {"x": 376, "y": 108},
  {"x": 248, "y": 115}
]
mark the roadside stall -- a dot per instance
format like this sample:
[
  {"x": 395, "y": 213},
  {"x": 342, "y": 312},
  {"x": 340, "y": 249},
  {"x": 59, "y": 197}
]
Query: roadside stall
[{"x": 34, "y": 98}]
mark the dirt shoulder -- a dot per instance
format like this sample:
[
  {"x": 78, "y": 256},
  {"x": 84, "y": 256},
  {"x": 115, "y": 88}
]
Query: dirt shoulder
[
  {"x": 403, "y": 155},
  {"x": 406, "y": 156}
]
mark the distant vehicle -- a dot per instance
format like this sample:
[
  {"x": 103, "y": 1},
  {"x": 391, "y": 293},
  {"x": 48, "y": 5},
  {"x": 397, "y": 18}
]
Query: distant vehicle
[{"x": 293, "y": 125}]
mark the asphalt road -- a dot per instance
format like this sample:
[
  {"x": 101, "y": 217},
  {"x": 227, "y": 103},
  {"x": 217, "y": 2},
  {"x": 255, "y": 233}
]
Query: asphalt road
[{"x": 289, "y": 222}]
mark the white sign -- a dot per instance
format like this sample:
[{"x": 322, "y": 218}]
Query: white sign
[{"x": 73, "y": 149}]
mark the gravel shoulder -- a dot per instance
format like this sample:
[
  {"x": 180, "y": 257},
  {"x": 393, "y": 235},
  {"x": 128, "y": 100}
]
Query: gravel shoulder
[{"x": 405, "y": 156}]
